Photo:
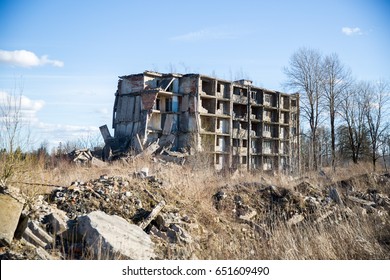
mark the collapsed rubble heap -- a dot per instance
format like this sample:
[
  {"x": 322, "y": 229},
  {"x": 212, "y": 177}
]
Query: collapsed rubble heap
[
  {"x": 61, "y": 225},
  {"x": 84, "y": 157},
  {"x": 133, "y": 217},
  {"x": 264, "y": 206}
]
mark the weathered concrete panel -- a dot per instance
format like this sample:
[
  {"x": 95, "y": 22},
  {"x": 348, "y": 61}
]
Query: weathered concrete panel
[
  {"x": 120, "y": 130},
  {"x": 189, "y": 84},
  {"x": 155, "y": 122},
  {"x": 175, "y": 104},
  {"x": 128, "y": 108},
  {"x": 105, "y": 133},
  {"x": 112, "y": 236},
  {"x": 168, "y": 124},
  {"x": 129, "y": 129},
  {"x": 175, "y": 125},
  {"x": 184, "y": 120},
  {"x": 10, "y": 210},
  {"x": 132, "y": 84},
  {"x": 137, "y": 109},
  {"x": 185, "y": 103},
  {"x": 136, "y": 129},
  {"x": 148, "y": 100}
]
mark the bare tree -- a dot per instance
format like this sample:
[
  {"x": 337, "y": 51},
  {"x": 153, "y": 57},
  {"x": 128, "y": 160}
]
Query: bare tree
[
  {"x": 353, "y": 109},
  {"x": 305, "y": 74},
  {"x": 14, "y": 132},
  {"x": 324, "y": 146},
  {"x": 385, "y": 147},
  {"x": 336, "y": 79},
  {"x": 377, "y": 99},
  {"x": 10, "y": 120}
]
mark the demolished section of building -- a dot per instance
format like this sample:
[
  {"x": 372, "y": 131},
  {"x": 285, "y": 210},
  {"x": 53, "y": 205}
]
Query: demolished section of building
[{"x": 233, "y": 123}]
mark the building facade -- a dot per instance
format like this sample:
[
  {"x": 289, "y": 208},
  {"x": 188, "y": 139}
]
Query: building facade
[{"x": 233, "y": 123}]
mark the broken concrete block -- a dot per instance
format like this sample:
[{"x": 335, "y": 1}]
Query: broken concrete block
[
  {"x": 112, "y": 236},
  {"x": 249, "y": 215},
  {"x": 10, "y": 210},
  {"x": 33, "y": 239},
  {"x": 145, "y": 171},
  {"x": 39, "y": 232},
  {"x": 181, "y": 233},
  {"x": 56, "y": 222},
  {"x": 42, "y": 254},
  {"x": 296, "y": 219},
  {"x": 363, "y": 202},
  {"x": 97, "y": 162},
  {"x": 335, "y": 196},
  {"x": 22, "y": 225},
  {"x": 105, "y": 133},
  {"x": 156, "y": 210},
  {"x": 157, "y": 232}
]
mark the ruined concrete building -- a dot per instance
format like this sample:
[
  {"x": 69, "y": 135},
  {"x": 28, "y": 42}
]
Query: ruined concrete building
[{"x": 233, "y": 123}]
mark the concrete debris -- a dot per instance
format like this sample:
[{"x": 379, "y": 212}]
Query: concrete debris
[
  {"x": 10, "y": 211},
  {"x": 257, "y": 204},
  {"x": 156, "y": 210},
  {"x": 362, "y": 202},
  {"x": 22, "y": 225},
  {"x": 335, "y": 196},
  {"x": 40, "y": 233},
  {"x": 43, "y": 254},
  {"x": 127, "y": 150},
  {"x": 84, "y": 157},
  {"x": 29, "y": 236},
  {"x": 112, "y": 236},
  {"x": 296, "y": 219},
  {"x": 131, "y": 217},
  {"x": 56, "y": 221}
]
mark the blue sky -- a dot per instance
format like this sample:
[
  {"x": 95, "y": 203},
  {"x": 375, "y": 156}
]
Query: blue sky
[{"x": 68, "y": 54}]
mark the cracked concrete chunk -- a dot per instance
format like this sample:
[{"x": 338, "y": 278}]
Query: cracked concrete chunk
[
  {"x": 10, "y": 211},
  {"x": 112, "y": 236}
]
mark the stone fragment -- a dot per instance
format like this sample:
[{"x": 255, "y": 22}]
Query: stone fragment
[
  {"x": 296, "y": 219},
  {"x": 43, "y": 254},
  {"x": 39, "y": 232},
  {"x": 156, "y": 210},
  {"x": 22, "y": 225},
  {"x": 29, "y": 236},
  {"x": 113, "y": 237},
  {"x": 56, "y": 222},
  {"x": 335, "y": 196},
  {"x": 10, "y": 211}
]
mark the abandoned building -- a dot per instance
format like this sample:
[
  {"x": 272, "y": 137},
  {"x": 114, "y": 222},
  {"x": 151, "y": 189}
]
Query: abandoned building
[{"x": 234, "y": 124}]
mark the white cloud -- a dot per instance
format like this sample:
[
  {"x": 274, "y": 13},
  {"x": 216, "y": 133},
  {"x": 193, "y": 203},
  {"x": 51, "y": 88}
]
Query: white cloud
[
  {"x": 213, "y": 33},
  {"x": 63, "y": 133},
  {"x": 15, "y": 104},
  {"x": 67, "y": 129},
  {"x": 25, "y": 58},
  {"x": 350, "y": 31},
  {"x": 102, "y": 111}
]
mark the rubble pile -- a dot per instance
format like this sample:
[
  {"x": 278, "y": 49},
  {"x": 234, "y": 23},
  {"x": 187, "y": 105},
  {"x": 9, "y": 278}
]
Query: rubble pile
[
  {"x": 265, "y": 206},
  {"x": 133, "y": 217},
  {"x": 69, "y": 222},
  {"x": 84, "y": 157}
]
